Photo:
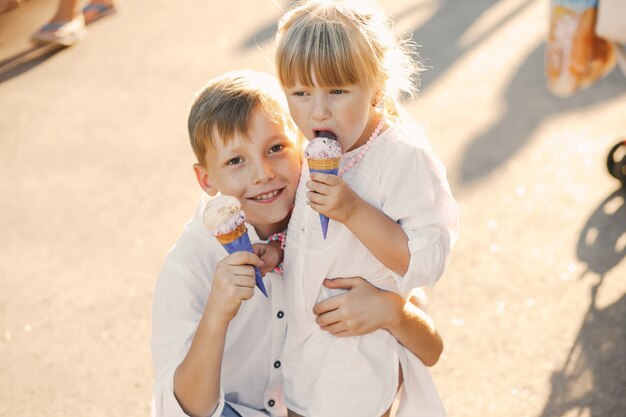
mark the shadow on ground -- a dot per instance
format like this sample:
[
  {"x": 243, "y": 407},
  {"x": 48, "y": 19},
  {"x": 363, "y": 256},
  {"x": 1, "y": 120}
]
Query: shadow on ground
[
  {"x": 527, "y": 101},
  {"x": 525, "y": 96},
  {"x": 26, "y": 60},
  {"x": 592, "y": 381},
  {"x": 440, "y": 37}
]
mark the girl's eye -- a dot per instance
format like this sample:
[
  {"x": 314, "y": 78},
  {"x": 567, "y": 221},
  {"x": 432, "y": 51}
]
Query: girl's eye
[
  {"x": 299, "y": 93},
  {"x": 277, "y": 148},
  {"x": 235, "y": 161},
  {"x": 336, "y": 91}
]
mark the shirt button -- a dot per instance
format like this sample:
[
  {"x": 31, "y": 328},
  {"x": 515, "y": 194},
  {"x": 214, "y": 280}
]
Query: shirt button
[
  {"x": 280, "y": 314},
  {"x": 277, "y": 364},
  {"x": 302, "y": 230},
  {"x": 271, "y": 403}
]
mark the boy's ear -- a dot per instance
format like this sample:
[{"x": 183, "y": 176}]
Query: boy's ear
[{"x": 204, "y": 180}]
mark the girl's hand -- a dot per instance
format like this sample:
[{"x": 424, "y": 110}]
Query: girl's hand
[
  {"x": 365, "y": 308},
  {"x": 233, "y": 283},
  {"x": 332, "y": 196},
  {"x": 270, "y": 254},
  {"x": 361, "y": 310}
]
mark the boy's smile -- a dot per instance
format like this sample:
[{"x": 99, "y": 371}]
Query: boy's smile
[
  {"x": 268, "y": 197},
  {"x": 261, "y": 169}
]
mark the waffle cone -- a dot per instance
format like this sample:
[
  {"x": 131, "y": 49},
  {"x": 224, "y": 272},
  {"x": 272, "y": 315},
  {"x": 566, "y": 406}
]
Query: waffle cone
[
  {"x": 324, "y": 164},
  {"x": 232, "y": 236}
]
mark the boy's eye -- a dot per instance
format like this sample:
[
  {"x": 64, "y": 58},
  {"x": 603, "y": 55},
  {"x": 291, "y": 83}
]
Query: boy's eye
[
  {"x": 336, "y": 91},
  {"x": 235, "y": 161},
  {"x": 298, "y": 93},
  {"x": 277, "y": 148}
]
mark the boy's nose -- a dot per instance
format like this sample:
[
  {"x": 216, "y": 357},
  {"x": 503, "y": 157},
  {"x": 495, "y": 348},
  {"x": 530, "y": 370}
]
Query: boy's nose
[{"x": 262, "y": 172}]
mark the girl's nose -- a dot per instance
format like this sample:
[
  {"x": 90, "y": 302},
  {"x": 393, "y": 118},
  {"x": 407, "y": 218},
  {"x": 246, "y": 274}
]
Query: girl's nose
[{"x": 320, "y": 109}]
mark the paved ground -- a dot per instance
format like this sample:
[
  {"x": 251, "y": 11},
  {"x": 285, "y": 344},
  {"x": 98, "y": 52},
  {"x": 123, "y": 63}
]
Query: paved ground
[{"x": 96, "y": 183}]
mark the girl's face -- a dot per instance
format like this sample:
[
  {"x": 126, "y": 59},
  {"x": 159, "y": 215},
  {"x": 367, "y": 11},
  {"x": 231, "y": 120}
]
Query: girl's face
[
  {"x": 262, "y": 171},
  {"x": 346, "y": 111}
]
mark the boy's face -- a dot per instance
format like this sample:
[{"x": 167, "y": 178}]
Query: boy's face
[
  {"x": 346, "y": 111},
  {"x": 262, "y": 171}
]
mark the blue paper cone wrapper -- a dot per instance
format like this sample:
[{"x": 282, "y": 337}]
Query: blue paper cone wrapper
[
  {"x": 323, "y": 219},
  {"x": 243, "y": 244}
]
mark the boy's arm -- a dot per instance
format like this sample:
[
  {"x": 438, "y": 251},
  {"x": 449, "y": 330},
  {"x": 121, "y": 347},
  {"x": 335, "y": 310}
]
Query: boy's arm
[
  {"x": 383, "y": 237},
  {"x": 365, "y": 308},
  {"x": 197, "y": 378}
]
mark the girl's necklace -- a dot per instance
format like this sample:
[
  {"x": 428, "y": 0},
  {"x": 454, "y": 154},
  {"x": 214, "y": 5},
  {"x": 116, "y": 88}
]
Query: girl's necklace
[{"x": 361, "y": 154}]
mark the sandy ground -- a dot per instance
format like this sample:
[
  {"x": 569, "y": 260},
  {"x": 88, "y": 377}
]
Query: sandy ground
[{"x": 96, "y": 184}]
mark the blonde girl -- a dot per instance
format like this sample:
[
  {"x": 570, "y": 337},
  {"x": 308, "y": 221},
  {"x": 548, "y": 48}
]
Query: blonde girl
[{"x": 393, "y": 218}]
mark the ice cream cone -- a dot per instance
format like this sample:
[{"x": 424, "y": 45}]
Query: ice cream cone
[
  {"x": 324, "y": 220},
  {"x": 327, "y": 166},
  {"x": 322, "y": 165},
  {"x": 227, "y": 238},
  {"x": 242, "y": 243},
  {"x": 225, "y": 220},
  {"x": 323, "y": 155}
]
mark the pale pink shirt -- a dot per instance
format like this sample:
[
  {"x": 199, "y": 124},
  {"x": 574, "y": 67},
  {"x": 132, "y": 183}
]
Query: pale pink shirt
[
  {"x": 251, "y": 373},
  {"x": 358, "y": 376}
]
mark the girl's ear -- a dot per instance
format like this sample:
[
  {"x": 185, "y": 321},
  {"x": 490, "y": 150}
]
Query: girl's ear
[
  {"x": 377, "y": 97},
  {"x": 204, "y": 180}
]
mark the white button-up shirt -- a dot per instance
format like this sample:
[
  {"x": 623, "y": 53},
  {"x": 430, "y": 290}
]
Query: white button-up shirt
[
  {"x": 358, "y": 376},
  {"x": 251, "y": 379}
]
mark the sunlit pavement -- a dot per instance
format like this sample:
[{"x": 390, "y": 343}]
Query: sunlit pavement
[{"x": 96, "y": 184}]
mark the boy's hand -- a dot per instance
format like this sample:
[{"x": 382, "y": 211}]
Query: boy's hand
[
  {"x": 233, "y": 283},
  {"x": 361, "y": 310},
  {"x": 270, "y": 254},
  {"x": 332, "y": 196}
]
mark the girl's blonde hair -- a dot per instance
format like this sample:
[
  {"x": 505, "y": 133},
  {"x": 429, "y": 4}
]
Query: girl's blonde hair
[{"x": 343, "y": 42}]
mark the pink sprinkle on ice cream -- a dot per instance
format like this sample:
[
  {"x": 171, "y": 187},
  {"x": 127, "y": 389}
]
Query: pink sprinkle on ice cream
[{"x": 323, "y": 148}]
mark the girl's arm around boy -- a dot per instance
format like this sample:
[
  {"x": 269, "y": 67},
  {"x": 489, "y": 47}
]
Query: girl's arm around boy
[{"x": 365, "y": 308}]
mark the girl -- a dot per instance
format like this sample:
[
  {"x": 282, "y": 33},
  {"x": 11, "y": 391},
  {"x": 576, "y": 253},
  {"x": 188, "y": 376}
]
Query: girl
[{"x": 342, "y": 71}]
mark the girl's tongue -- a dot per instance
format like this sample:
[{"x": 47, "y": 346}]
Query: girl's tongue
[{"x": 325, "y": 134}]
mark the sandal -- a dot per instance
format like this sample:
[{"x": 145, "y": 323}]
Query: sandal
[
  {"x": 61, "y": 33},
  {"x": 95, "y": 11}
]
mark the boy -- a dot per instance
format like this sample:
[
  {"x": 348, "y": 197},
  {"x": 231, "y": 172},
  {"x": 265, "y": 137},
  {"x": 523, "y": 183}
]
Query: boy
[{"x": 215, "y": 355}]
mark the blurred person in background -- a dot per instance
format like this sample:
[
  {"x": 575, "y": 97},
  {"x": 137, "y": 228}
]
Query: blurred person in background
[{"x": 67, "y": 26}]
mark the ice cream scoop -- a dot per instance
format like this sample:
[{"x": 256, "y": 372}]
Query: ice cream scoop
[
  {"x": 323, "y": 147},
  {"x": 222, "y": 215},
  {"x": 226, "y": 221}
]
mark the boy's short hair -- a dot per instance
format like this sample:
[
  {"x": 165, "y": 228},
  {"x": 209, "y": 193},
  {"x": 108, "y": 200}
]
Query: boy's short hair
[{"x": 225, "y": 106}]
